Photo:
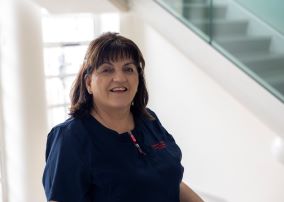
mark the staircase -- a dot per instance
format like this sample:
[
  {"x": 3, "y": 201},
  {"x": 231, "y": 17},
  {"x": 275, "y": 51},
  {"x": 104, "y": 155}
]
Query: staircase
[
  {"x": 237, "y": 36},
  {"x": 232, "y": 46},
  {"x": 252, "y": 50},
  {"x": 255, "y": 51}
]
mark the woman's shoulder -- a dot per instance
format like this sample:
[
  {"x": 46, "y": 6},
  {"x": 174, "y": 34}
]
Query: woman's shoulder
[
  {"x": 154, "y": 119},
  {"x": 152, "y": 114},
  {"x": 157, "y": 126},
  {"x": 72, "y": 124},
  {"x": 154, "y": 122},
  {"x": 68, "y": 142},
  {"x": 150, "y": 111},
  {"x": 71, "y": 129}
]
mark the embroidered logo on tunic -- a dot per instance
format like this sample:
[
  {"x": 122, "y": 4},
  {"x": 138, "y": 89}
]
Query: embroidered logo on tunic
[{"x": 159, "y": 146}]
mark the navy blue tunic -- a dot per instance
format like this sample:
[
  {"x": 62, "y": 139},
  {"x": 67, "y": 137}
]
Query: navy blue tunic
[{"x": 87, "y": 162}]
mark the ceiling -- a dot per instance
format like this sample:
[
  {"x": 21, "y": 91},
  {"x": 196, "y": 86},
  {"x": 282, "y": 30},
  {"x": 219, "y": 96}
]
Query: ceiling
[{"x": 77, "y": 6}]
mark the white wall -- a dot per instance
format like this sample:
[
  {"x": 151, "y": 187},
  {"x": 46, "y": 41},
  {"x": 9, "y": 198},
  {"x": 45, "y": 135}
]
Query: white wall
[
  {"x": 2, "y": 156},
  {"x": 24, "y": 106},
  {"x": 226, "y": 149}
]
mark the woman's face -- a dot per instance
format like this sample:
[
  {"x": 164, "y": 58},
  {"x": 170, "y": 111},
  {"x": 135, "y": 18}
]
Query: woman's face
[{"x": 113, "y": 85}]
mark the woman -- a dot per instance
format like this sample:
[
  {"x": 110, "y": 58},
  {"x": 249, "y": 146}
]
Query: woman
[{"x": 113, "y": 149}]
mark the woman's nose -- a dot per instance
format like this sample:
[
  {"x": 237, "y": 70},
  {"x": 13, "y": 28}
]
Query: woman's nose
[{"x": 119, "y": 76}]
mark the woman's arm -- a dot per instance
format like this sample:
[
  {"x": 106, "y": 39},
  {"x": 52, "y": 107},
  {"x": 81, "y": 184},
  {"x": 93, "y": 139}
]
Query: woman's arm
[{"x": 187, "y": 194}]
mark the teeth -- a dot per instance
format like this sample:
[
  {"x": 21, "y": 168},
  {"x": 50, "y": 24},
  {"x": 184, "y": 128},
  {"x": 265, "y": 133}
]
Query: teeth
[{"x": 119, "y": 89}]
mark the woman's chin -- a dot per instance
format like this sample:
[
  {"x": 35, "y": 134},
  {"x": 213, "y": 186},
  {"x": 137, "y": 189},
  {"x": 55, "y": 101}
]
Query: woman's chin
[{"x": 120, "y": 106}]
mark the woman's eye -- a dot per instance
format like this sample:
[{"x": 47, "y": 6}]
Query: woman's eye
[
  {"x": 129, "y": 69},
  {"x": 106, "y": 70}
]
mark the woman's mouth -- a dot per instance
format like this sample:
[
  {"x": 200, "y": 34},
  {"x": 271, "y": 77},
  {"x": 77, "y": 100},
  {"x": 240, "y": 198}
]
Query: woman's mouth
[{"x": 118, "y": 89}]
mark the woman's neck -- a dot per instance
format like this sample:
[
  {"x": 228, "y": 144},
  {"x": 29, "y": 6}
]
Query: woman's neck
[{"x": 118, "y": 120}]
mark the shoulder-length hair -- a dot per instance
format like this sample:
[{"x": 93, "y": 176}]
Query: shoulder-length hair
[{"x": 108, "y": 47}]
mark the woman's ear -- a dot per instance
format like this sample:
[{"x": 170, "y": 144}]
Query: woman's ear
[{"x": 88, "y": 81}]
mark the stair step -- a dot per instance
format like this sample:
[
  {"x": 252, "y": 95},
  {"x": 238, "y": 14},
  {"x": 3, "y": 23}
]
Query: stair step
[
  {"x": 184, "y": 2},
  {"x": 279, "y": 87},
  {"x": 274, "y": 77},
  {"x": 270, "y": 67},
  {"x": 263, "y": 61},
  {"x": 222, "y": 28},
  {"x": 247, "y": 44},
  {"x": 276, "y": 80},
  {"x": 247, "y": 57},
  {"x": 195, "y": 1},
  {"x": 266, "y": 63},
  {"x": 203, "y": 11},
  {"x": 198, "y": 9}
]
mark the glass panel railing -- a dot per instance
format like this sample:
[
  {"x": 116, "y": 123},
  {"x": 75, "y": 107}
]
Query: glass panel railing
[
  {"x": 239, "y": 35},
  {"x": 191, "y": 13},
  {"x": 269, "y": 11}
]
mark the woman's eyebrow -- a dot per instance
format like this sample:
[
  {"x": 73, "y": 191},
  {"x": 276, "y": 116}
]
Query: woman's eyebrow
[
  {"x": 106, "y": 62},
  {"x": 129, "y": 63},
  {"x": 125, "y": 64}
]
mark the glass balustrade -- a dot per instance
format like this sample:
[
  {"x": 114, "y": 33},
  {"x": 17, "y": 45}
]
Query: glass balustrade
[
  {"x": 245, "y": 31},
  {"x": 269, "y": 11}
]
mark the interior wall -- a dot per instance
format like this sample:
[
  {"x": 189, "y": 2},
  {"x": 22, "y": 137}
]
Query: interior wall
[
  {"x": 2, "y": 156},
  {"x": 24, "y": 105},
  {"x": 226, "y": 149}
]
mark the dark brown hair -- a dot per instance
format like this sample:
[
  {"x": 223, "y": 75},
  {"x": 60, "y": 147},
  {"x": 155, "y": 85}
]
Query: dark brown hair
[{"x": 108, "y": 47}]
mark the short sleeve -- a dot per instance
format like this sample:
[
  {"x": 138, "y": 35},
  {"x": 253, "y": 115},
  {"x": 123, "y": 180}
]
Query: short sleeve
[{"x": 66, "y": 176}]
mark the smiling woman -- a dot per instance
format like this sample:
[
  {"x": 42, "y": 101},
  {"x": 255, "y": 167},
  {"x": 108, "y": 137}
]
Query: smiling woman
[
  {"x": 113, "y": 148},
  {"x": 113, "y": 84},
  {"x": 111, "y": 61}
]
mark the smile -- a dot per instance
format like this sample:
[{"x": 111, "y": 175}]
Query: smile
[{"x": 118, "y": 89}]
